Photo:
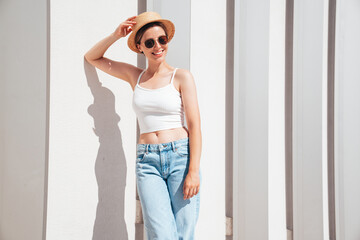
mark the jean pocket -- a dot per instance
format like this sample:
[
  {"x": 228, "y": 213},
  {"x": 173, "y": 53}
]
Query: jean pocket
[
  {"x": 140, "y": 155},
  {"x": 182, "y": 151}
]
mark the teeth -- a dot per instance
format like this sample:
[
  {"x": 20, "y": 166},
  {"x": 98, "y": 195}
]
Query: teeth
[{"x": 158, "y": 53}]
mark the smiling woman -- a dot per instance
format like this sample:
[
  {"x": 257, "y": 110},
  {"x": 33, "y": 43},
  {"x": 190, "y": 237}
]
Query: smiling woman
[{"x": 168, "y": 153}]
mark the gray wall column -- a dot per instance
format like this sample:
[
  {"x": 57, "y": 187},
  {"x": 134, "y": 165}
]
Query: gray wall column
[
  {"x": 347, "y": 119},
  {"x": 251, "y": 64},
  {"x": 24, "y": 82},
  {"x": 307, "y": 120}
]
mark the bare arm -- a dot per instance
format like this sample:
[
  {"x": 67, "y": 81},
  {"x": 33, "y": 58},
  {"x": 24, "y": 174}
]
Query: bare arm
[
  {"x": 95, "y": 56},
  {"x": 192, "y": 113}
]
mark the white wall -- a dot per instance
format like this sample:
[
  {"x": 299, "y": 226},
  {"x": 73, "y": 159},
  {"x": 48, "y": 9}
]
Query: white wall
[
  {"x": 251, "y": 119},
  {"x": 307, "y": 119},
  {"x": 23, "y": 99},
  {"x": 207, "y": 64},
  {"x": 92, "y": 127},
  {"x": 347, "y": 119},
  {"x": 276, "y": 141}
]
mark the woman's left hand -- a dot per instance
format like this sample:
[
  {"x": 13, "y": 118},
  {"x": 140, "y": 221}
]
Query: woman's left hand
[{"x": 191, "y": 184}]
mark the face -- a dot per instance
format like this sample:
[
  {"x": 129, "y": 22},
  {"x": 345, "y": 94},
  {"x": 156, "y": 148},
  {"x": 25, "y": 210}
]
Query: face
[{"x": 158, "y": 51}]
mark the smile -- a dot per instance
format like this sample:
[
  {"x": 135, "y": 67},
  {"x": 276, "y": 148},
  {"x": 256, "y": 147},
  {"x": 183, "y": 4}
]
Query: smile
[{"x": 158, "y": 53}]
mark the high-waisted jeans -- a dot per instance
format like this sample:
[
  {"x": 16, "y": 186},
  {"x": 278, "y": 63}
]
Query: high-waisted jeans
[{"x": 160, "y": 173}]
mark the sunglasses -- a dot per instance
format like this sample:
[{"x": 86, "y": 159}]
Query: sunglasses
[{"x": 149, "y": 43}]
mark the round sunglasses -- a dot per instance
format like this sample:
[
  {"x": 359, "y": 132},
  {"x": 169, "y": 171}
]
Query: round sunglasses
[{"x": 149, "y": 43}]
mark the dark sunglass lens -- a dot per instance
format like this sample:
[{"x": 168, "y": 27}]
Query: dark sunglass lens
[
  {"x": 149, "y": 43},
  {"x": 163, "y": 40}
]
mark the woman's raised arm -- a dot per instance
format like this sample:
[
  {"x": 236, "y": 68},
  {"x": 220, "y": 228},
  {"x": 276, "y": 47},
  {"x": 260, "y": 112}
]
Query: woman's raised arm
[{"x": 95, "y": 56}]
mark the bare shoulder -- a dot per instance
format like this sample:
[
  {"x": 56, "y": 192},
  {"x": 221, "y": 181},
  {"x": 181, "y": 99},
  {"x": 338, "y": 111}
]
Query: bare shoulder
[
  {"x": 184, "y": 75},
  {"x": 184, "y": 79}
]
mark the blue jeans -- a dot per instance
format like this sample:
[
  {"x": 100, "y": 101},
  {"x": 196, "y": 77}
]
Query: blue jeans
[{"x": 160, "y": 173}]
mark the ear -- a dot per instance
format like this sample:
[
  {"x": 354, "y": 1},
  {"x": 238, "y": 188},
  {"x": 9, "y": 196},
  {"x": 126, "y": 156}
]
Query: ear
[{"x": 138, "y": 47}]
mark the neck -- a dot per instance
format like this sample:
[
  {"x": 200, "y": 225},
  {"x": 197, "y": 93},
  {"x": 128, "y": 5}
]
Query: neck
[{"x": 155, "y": 67}]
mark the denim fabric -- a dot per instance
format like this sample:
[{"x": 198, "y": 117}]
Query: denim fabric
[{"x": 160, "y": 173}]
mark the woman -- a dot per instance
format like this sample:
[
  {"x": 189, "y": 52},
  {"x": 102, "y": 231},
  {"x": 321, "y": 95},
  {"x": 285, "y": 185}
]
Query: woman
[{"x": 168, "y": 174}]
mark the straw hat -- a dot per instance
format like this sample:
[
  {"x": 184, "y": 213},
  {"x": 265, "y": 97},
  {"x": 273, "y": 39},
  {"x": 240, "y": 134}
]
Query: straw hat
[{"x": 145, "y": 18}]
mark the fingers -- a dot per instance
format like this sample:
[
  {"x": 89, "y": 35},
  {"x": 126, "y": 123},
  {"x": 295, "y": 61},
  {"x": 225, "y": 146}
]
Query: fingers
[
  {"x": 131, "y": 18},
  {"x": 129, "y": 22},
  {"x": 186, "y": 193},
  {"x": 196, "y": 190},
  {"x": 191, "y": 185},
  {"x": 128, "y": 25},
  {"x": 189, "y": 192}
]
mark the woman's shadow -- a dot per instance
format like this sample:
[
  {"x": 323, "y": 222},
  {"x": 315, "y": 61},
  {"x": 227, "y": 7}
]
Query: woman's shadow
[{"x": 110, "y": 165}]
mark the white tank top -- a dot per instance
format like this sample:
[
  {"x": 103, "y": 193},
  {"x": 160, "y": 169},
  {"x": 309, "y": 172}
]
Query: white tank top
[{"x": 158, "y": 109}]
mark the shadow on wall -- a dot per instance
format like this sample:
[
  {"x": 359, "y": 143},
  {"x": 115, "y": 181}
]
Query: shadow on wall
[{"x": 110, "y": 165}]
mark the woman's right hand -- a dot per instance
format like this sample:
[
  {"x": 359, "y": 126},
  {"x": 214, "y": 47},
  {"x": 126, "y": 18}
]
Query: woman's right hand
[{"x": 125, "y": 27}]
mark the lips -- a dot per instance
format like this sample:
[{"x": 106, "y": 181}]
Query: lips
[{"x": 158, "y": 54}]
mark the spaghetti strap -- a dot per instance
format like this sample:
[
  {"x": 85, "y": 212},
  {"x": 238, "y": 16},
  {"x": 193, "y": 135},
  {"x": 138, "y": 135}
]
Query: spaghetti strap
[
  {"x": 140, "y": 76},
  {"x": 172, "y": 77}
]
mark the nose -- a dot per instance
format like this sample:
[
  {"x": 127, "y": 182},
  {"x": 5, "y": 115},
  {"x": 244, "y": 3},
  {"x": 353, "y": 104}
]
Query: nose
[{"x": 157, "y": 44}]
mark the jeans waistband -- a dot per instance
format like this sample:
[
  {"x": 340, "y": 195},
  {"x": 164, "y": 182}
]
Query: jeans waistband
[{"x": 163, "y": 146}]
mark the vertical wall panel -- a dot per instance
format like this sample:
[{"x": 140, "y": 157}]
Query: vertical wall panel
[
  {"x": 92, "y": 126},
  {"x": 251, "y": 77},
  {"x": 307, "y": 120},
  {"x": 208, "y": 51},
  {"x": 326, "y": 179},
  {"x": 289, "y": 36},
  {"x": 277, "y": 215},
  {"x": 229, "y": 117},
  {"x": 24, "y": 79},
  {"x": 347, "y": 119},
  {"x": 330, "y": 119}
]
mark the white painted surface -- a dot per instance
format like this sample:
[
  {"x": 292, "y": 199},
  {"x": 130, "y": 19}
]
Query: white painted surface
[
  {"x": 277, "y": 208},
  {"x": 347, "y": 119},
  {"x": 251, "y": 116},
  {"x": 307, "y": 120},
  {"x": 23, "y": 92},
  {"x": 82, "y": 165},
  {"x": 208, "y": 68},
  {"x": 324, "y": 123}
]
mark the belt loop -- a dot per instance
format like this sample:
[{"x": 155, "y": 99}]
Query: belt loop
[
  {"x": 147, "y": 147},
  {"x": 173, "y": 146}
]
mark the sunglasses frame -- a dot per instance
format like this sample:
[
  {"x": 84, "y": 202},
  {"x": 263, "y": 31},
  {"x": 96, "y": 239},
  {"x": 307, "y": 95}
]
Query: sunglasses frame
[{"x": 152, "y": 41}]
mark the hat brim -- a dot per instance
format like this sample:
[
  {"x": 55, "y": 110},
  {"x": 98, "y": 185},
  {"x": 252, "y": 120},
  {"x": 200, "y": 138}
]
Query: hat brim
[{"x": 170, "y": 29}]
